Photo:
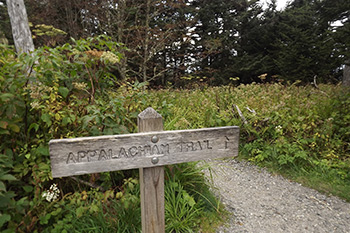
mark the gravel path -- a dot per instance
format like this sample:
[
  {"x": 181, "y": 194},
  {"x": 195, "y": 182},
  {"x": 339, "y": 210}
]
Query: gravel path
[{"x": 261, "y": 202}]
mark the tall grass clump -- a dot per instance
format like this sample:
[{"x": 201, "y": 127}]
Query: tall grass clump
[{"x": 190, "y": 205}]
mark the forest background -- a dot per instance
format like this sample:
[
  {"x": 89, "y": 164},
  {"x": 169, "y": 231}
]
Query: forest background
[
  {"x": 213, "y": 41},
  {"x": 97, "y": 64}
]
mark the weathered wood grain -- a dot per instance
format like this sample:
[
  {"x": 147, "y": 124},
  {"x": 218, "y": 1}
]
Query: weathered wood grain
[
  {"x": 151, "y": 180},
  {"x": 121, "y": 152}
]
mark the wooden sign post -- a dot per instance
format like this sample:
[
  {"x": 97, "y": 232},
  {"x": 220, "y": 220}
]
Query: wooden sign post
[
  {"x": 149, "y": 150},
  {"x": 152, "y": 178}
]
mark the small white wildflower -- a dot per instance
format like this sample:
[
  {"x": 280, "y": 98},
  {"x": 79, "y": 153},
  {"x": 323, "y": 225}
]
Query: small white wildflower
[
  {"x": 35, "y": 105},
  {"x": 35, "y": 94},
  {"x": 52, "y": 194},
  {"x": 37, "y": 91},
  {"x": 80, "y": 86},
  {"x": 278, "y": 129}
]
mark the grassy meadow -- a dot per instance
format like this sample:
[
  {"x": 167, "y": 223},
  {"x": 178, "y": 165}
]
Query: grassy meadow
[{"x": 301, "y": 132}]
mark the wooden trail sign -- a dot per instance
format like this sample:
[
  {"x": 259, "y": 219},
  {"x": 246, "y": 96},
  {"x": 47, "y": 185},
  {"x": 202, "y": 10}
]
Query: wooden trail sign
[
  {"x": 149, "y": 150},
  {"x": 87, "y": 155}
]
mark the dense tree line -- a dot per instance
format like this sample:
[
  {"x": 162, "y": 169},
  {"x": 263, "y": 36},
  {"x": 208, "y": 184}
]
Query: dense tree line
[{"x": 215, "y": 41}]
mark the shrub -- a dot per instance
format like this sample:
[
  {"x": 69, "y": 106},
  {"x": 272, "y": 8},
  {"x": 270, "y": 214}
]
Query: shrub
[
  {"x": 63, "y": 92},
  {"x": 53, "y": 93}
]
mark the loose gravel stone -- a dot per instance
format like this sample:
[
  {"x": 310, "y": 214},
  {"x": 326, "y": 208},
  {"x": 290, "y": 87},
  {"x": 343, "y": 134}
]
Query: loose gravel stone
[{"x": 262, "y": 202}]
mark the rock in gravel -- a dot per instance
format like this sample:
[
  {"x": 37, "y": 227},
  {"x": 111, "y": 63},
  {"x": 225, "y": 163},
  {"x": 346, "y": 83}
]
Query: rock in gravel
[{"x": 262, "y": 202}]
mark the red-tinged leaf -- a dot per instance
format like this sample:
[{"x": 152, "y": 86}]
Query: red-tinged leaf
[{"x": 3, "y": 124}]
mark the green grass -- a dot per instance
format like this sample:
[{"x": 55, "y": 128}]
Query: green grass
[
  {"x": 190, "y": 205},
  {"x": 324, "y": 180},
  {"x": 298, "y": 131}
]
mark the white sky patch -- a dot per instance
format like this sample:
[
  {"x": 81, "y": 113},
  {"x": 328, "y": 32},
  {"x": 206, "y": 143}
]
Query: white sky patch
[
  {"x": 281, "y": 4},
  {"x": 336, "y": 24}
]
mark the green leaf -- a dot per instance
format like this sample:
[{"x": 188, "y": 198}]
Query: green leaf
[
  {"x": 15, "y": 128},
  {"x": 86, "y": 119},
  {"x": 63, "y": 91},
  {"x": 6, "y": 161},
  {"x": 10, "y": 111},
  {"x": 55, "y": 64},
  {"x": 2, "y": 186},
  {"x": 131, "y": 186},
  {"x": 6, "y": 96},
  {"x": 34, "y": 126},
  {"x": 4, "y": 218},
  {"x": 45, "y": 219},
  {"x": 43, "y": 150},
  {"x": 2, "y": 131},
  {"x": 66, "y": 120},
  {"x": 189, "y": 199},
  {"x": 9, "y": 153},
  {"x": 22, "y": 201},
  {"x": 5, "y": 198},
  {"x": 73, "y": 73},
  {"x": 8, "y": 177},
  {"x": 94, "y": 208},
  {"x": 56, "y": 212},
  {"x": 126, "y": 204},
  {"x": 47, "y": 119},
  {"x": 44, "y": 166},
  {"x": 27, "y": 188},
  {"x": 80, "y": 211}
]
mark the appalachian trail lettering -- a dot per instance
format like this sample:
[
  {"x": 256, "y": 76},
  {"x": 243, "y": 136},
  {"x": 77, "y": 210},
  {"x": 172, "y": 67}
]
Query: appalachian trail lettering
[
  {"x": 136, "y": 151},
  {"x": 78, "y": 156}
]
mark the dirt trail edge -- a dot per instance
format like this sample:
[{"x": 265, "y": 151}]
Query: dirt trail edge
[{"x": 262, "y": 202}]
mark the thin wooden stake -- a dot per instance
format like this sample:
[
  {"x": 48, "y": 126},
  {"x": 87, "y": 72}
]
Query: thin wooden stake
[
  {"x": 240, "y": 114},
  {"x": 152, "y": 180}
]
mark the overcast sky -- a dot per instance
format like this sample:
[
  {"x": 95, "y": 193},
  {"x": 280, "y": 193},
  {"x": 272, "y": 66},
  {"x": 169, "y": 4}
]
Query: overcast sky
[{"x": 280, "y": 3}]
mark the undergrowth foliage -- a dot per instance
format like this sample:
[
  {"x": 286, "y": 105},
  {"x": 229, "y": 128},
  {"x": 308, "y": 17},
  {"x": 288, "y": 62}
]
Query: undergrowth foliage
[
  {"x": 71, "y": 91},
  {"x": 299, "y": 131},
  {"x": 53, "y": 93}
]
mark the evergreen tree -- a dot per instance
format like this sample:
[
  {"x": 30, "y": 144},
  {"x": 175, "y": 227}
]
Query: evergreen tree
[
  {"x": 255, "y": 43},
  {"x": 219, "y": 39},
  {"x": 305, "y": 46},
  {"x": 335, "y": 14},
  {"x": 218, "y": 29}
]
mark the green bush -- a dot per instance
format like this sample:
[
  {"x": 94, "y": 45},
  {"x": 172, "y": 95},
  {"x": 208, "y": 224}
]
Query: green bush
[
  {"x": 63, "y": 92},
  {"x": 54, "y": 93}
]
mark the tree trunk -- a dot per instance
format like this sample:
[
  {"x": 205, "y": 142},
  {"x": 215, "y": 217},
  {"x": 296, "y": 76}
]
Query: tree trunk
[
  {"x": 146, "y": 41},
  {"x": 20, "y": 26},
  {"x": 346, "y": 74},
  {"x": 121, "y": 27}
]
